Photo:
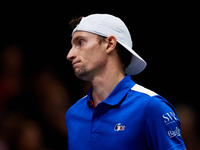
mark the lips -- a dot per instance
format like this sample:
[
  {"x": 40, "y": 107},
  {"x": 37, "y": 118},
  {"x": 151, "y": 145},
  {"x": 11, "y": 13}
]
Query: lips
[{"x": 74, "y": 64}]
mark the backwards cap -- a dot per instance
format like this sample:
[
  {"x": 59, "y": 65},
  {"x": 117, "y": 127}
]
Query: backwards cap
[{"x": 107, "y": 25}]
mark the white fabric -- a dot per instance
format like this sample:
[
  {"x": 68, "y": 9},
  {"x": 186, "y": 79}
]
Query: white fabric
[
  {"x": 107, "y": 25},
  {"x": 142, "y": 89}
]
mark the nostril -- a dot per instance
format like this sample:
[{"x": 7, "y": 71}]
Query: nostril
[{"x": 70, "y": 57}]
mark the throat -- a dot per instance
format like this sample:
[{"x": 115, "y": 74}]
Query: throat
[{"x": 102, "y": 87}]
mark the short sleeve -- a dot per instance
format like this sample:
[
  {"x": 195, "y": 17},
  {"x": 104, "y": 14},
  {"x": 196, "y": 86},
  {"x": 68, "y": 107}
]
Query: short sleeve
[{"x": 162, "y": 126}]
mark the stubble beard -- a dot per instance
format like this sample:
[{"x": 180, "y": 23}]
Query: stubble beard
[{"x": 82, "y": 72}]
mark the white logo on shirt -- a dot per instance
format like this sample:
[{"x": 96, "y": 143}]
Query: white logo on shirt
[
  {"x": 119, "y": 127},
  {"x": 169, "y": 117},
  {"x": 176, "y": 132}
]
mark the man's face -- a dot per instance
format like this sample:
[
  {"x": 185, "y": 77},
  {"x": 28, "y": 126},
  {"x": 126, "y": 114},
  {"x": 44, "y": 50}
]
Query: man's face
[{"x": 87, "y": 55}]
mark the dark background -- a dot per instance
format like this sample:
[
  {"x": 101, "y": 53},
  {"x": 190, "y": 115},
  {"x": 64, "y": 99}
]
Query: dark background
[{"x": 164, "y": 35}]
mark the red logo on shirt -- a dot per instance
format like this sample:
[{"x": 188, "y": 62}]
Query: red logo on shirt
[{"x": 119, "y": 127}]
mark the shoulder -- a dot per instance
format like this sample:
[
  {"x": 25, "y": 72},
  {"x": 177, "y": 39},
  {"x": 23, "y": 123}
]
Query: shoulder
[
  {"x": 155, "y": 106},
  {"x": 160, "y": 123},
  {"x": 153, "y": 101},
  {"x": 140, "y": 89}
]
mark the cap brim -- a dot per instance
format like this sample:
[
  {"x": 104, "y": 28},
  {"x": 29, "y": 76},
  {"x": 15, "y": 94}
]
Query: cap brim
[{"x": 137, "y": 64}]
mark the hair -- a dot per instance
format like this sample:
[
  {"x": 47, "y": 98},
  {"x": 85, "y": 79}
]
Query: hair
[
  {"x": 74, "y": 22},
  {"x": 124, "y": 55}
]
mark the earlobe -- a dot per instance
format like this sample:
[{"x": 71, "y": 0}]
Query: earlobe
[{"x": 111, "y": 43}]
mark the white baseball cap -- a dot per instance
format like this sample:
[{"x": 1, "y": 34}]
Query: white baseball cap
[{"x": 107, "y": 25}]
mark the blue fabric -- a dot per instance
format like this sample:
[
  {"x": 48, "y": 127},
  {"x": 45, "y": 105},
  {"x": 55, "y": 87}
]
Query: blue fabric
[{"x": 128, "y": 119}]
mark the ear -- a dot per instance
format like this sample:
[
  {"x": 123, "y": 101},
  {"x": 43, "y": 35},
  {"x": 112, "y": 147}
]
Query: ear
[{"x": 111, "y": 43}]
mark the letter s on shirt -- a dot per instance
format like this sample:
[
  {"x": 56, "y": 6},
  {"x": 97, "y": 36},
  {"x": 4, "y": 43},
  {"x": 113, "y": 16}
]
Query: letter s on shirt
[{"x": 166, "y": 118}]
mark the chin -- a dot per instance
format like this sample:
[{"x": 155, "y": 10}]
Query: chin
[{"x": 82, "y": 73}]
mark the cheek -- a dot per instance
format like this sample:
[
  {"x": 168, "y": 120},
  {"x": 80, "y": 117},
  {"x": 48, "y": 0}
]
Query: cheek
[{"x": 96, "y": 56}]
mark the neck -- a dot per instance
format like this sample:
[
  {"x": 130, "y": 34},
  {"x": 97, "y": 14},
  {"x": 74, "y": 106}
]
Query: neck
[{"x": 104, "y": 83}]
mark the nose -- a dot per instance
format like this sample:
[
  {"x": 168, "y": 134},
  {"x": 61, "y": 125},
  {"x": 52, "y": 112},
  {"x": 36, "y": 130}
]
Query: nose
[{"x": 71, "y": 55}]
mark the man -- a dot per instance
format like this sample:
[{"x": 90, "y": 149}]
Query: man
[{"x": 117, "y": 113}]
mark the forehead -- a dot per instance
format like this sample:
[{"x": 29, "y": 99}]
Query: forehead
[{"x": 82, "y": 34}]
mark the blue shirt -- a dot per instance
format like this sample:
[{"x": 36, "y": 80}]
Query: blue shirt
[{"x": 130, "y": 118}]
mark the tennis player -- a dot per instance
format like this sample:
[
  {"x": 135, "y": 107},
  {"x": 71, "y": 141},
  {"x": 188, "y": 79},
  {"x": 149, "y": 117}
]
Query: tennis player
[{"x": 117, "y": 113}]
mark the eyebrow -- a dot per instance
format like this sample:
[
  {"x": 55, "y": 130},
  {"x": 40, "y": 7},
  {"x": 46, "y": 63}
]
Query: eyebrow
[{"x": 76, "y": 39}]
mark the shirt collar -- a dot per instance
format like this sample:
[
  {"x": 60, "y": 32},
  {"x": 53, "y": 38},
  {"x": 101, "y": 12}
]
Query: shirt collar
[{"x": 118, "y": 93}]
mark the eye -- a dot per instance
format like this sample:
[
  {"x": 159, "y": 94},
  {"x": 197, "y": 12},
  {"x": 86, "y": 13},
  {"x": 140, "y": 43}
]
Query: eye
[{"x": 81, "y": 42}]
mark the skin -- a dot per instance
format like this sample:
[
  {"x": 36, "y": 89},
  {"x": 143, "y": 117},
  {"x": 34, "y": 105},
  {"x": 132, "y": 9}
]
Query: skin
[{"x": 97, "y": 63}]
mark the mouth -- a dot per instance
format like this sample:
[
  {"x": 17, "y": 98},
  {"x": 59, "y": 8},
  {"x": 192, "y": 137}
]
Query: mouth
[{"x": 74, "y": 64}]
